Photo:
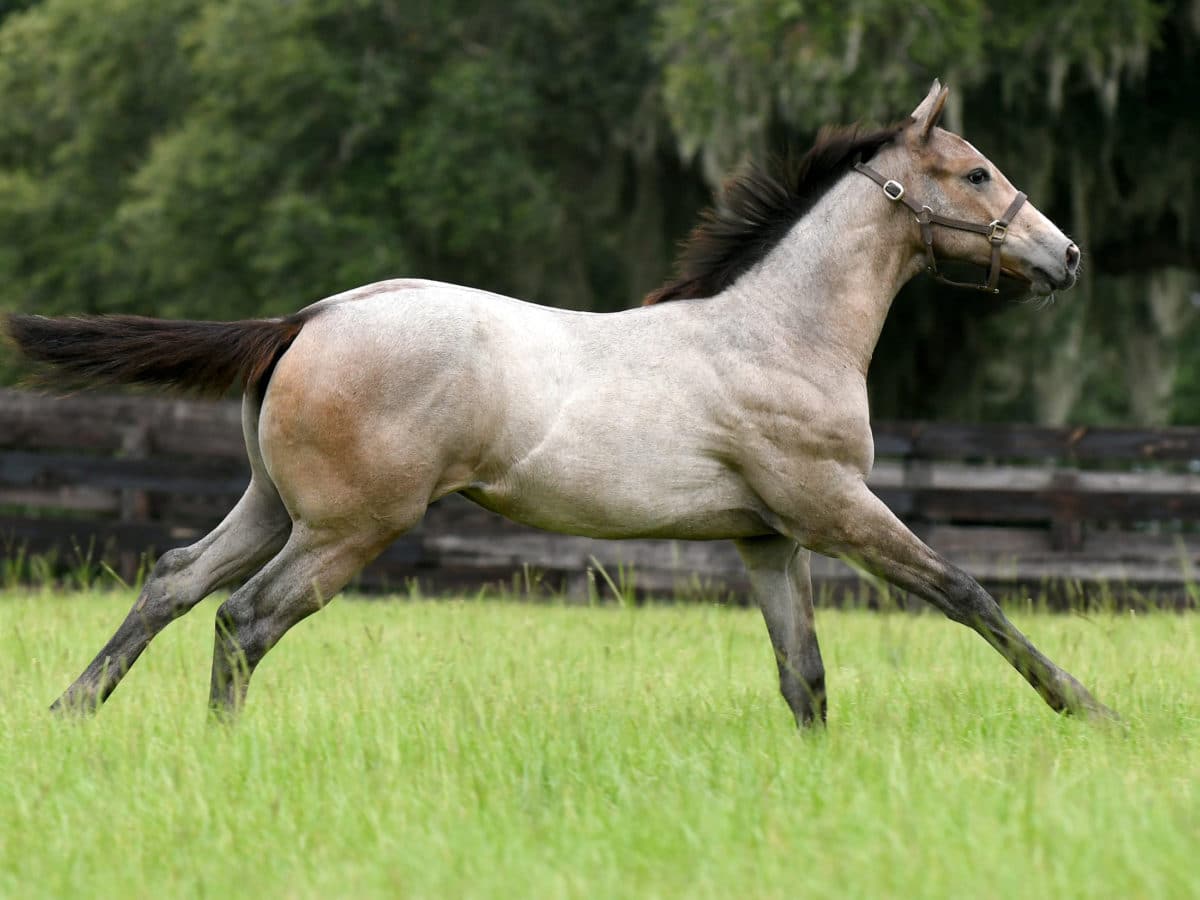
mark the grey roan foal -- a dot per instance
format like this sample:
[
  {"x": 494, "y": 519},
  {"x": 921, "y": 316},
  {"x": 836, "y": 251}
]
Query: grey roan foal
[{"x": 736, "y": 410}]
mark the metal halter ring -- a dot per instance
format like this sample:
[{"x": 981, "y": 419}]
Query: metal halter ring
[{"x": 893, "y": 189}]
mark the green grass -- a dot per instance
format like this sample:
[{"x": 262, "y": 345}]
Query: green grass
[{"x": 502, "y": 750}]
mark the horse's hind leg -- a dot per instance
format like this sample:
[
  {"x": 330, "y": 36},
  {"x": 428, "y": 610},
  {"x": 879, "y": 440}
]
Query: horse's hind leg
[
  {"x": 250, "y": 534},
  {"x": 868, "y": 533},
  {"x": 312, "y": 567},
  {"x": 779, "y": 579}
]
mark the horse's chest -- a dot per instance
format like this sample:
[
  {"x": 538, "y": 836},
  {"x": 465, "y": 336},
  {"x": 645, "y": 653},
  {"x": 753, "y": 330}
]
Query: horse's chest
[{"x": 790, "y": 437}]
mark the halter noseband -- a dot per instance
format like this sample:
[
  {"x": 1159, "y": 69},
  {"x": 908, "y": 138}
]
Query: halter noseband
[{"x": 995, "y": 231}]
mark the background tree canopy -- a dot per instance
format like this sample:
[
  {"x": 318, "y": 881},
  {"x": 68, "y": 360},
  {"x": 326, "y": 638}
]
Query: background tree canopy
[{"x": 228, "y": 159}]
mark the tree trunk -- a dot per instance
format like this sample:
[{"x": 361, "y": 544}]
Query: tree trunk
[{"x": 1151, "y": 347}]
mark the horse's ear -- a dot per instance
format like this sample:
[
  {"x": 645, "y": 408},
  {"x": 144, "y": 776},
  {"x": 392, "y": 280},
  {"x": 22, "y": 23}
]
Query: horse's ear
[{"x": 929, "y": 110}]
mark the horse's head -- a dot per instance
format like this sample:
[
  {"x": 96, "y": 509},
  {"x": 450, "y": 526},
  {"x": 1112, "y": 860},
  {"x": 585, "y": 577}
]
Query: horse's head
[{"x": 937, "y": 171}]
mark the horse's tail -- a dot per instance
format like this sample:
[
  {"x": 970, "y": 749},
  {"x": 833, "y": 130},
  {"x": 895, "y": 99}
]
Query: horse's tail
[{"x": 201, "y": 357}]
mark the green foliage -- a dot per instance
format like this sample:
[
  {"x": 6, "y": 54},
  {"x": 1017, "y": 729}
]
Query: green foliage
[
  {"x": 86, "y": 88},
  {"x": 735, "y": 70},
  {"x": 207, "y": 159}
]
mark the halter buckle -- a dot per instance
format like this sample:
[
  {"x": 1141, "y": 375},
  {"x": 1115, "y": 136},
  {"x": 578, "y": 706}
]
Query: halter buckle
[
  {"x": 999, "y": 231},
  {"x": 893, "y": 189}
]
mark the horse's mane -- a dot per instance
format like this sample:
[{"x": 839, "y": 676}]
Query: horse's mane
[{"x": 758, "y": 207}]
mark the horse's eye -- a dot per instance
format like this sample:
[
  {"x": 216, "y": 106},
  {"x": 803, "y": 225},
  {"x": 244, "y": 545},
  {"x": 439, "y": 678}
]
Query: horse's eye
[{"x": 978, "y": 176}]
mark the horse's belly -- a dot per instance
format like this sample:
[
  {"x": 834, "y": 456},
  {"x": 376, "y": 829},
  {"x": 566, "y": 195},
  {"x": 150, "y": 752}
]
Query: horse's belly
[{"x": 711, "y": 512}]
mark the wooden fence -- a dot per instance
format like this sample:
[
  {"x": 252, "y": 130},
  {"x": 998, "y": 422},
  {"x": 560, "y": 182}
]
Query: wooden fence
[{"x": 1072, "y": 511}]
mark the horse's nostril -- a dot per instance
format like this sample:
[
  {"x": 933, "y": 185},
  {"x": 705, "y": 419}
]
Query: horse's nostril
[{"x": 1072, "y": 258}]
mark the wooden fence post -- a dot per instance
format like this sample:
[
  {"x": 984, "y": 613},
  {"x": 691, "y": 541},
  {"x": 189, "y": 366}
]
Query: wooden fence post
[{"x": 1066, "y": 528}]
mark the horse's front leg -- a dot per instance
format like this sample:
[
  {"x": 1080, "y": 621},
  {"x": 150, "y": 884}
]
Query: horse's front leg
[
  {"x": 865, "y": 532},
  {"x": 779, "y": 579}
]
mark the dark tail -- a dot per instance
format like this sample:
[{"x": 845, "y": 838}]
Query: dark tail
[{"x": 202, "y": 357}]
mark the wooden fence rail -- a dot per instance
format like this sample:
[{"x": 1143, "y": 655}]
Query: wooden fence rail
[{"x": 1022, "y": 507}]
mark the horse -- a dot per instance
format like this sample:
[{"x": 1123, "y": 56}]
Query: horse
[{"x": 732, "y": 404}]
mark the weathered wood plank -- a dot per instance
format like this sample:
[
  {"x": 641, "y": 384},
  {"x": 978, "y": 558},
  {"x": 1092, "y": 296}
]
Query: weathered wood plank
[
  {"x": 99, "y": 423},
  {"x": 69, "y": 498},
  {"x": 41, "y": 535},
  {"x": 1040, "y": 506},
  {"x": 27, "y": 469},
  {"x": 969, "y": 477},
  {"x": 406, "y": 556},
  {"x": 944, "y": 440}
]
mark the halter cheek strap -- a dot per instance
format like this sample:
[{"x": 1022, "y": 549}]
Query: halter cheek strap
[{"x": 995, "y": 231}]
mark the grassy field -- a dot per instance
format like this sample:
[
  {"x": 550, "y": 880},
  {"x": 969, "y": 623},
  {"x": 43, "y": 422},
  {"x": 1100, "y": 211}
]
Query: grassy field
[{"x": 501, "y": 750}]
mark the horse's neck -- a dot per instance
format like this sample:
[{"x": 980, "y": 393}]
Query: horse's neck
[{"x": 830, "y": 282}]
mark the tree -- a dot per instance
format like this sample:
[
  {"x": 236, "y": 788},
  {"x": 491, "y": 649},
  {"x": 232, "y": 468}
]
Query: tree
[{"x": 209, "y": 159}]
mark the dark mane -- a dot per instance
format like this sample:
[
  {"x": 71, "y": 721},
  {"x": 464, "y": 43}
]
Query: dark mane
[{"x": 758, "y": 207}]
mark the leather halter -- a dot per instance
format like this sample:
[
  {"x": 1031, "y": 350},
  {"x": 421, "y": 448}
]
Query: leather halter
[{"x": 995, "y": 231}]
